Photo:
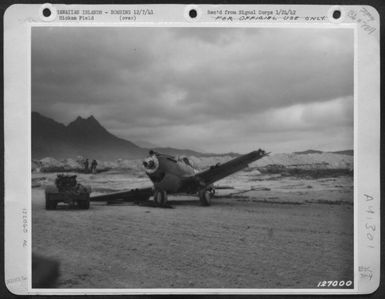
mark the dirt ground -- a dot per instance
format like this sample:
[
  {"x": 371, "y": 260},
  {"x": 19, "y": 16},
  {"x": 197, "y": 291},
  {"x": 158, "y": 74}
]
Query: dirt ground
[{"x": 286, "y": 233}]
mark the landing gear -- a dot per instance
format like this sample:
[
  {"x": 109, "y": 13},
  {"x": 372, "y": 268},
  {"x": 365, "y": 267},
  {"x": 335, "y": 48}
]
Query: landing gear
[
  {"x": 160, "y": 197},
  {"x": 205, "y": 196}
]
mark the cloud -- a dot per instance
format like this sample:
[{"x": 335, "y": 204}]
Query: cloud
[{"x": 178, "y": 86}]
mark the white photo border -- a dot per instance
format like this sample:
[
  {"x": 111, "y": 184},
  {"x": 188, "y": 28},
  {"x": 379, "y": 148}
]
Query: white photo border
[{"x": 18, "y": 21}]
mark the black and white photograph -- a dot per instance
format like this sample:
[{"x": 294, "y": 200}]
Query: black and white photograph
[{"x": 198, "y": 158}]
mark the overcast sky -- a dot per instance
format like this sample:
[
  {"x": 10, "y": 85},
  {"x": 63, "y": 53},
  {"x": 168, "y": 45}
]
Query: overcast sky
[{"x": 213, "y": 89}]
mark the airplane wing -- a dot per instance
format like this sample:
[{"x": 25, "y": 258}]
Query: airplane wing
[
  {"x": 130, "y": 195},
  {"x": 218, "y": 172}
]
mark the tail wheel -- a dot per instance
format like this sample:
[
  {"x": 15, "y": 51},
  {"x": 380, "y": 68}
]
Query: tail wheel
[
  {"x": 160, "y": 197},
  {"x": 205, "y": 197}
]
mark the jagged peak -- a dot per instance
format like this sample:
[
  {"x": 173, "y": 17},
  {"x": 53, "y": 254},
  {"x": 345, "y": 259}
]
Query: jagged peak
[
  {"x": 87, "y": 126},
  {"x": 84, "y": 120}
]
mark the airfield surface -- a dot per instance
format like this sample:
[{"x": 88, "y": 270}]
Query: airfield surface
[{"x": 287, "y": 232}]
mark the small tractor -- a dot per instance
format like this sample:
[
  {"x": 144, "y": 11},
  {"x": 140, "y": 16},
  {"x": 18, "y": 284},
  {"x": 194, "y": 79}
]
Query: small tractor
[{"x": 67, "y": 190}]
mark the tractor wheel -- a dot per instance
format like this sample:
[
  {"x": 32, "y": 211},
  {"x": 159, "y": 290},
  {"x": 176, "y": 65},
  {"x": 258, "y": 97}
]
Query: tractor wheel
[
  {"x": 50, "y": 203},
  {"x": 84, "y": 203},
  {"x": 160, "y": 197},
  {"x": 205, "y": 197}
]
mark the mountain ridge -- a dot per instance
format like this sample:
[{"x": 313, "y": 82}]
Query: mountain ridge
[
  {"x": 81, "y": 137},
  {"x": 88, "y": 138},
  {"x": 348, "y": 152}
]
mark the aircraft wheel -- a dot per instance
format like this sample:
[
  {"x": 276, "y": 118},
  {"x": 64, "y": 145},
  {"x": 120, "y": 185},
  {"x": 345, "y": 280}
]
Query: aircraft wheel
[
  {"x": 205, "y": 197},
  {"x": 160, "y": 197}
]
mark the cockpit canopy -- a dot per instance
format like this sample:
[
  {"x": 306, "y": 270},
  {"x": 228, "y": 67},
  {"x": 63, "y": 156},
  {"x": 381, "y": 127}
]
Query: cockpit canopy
[{"x": 186, "y": 161}]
